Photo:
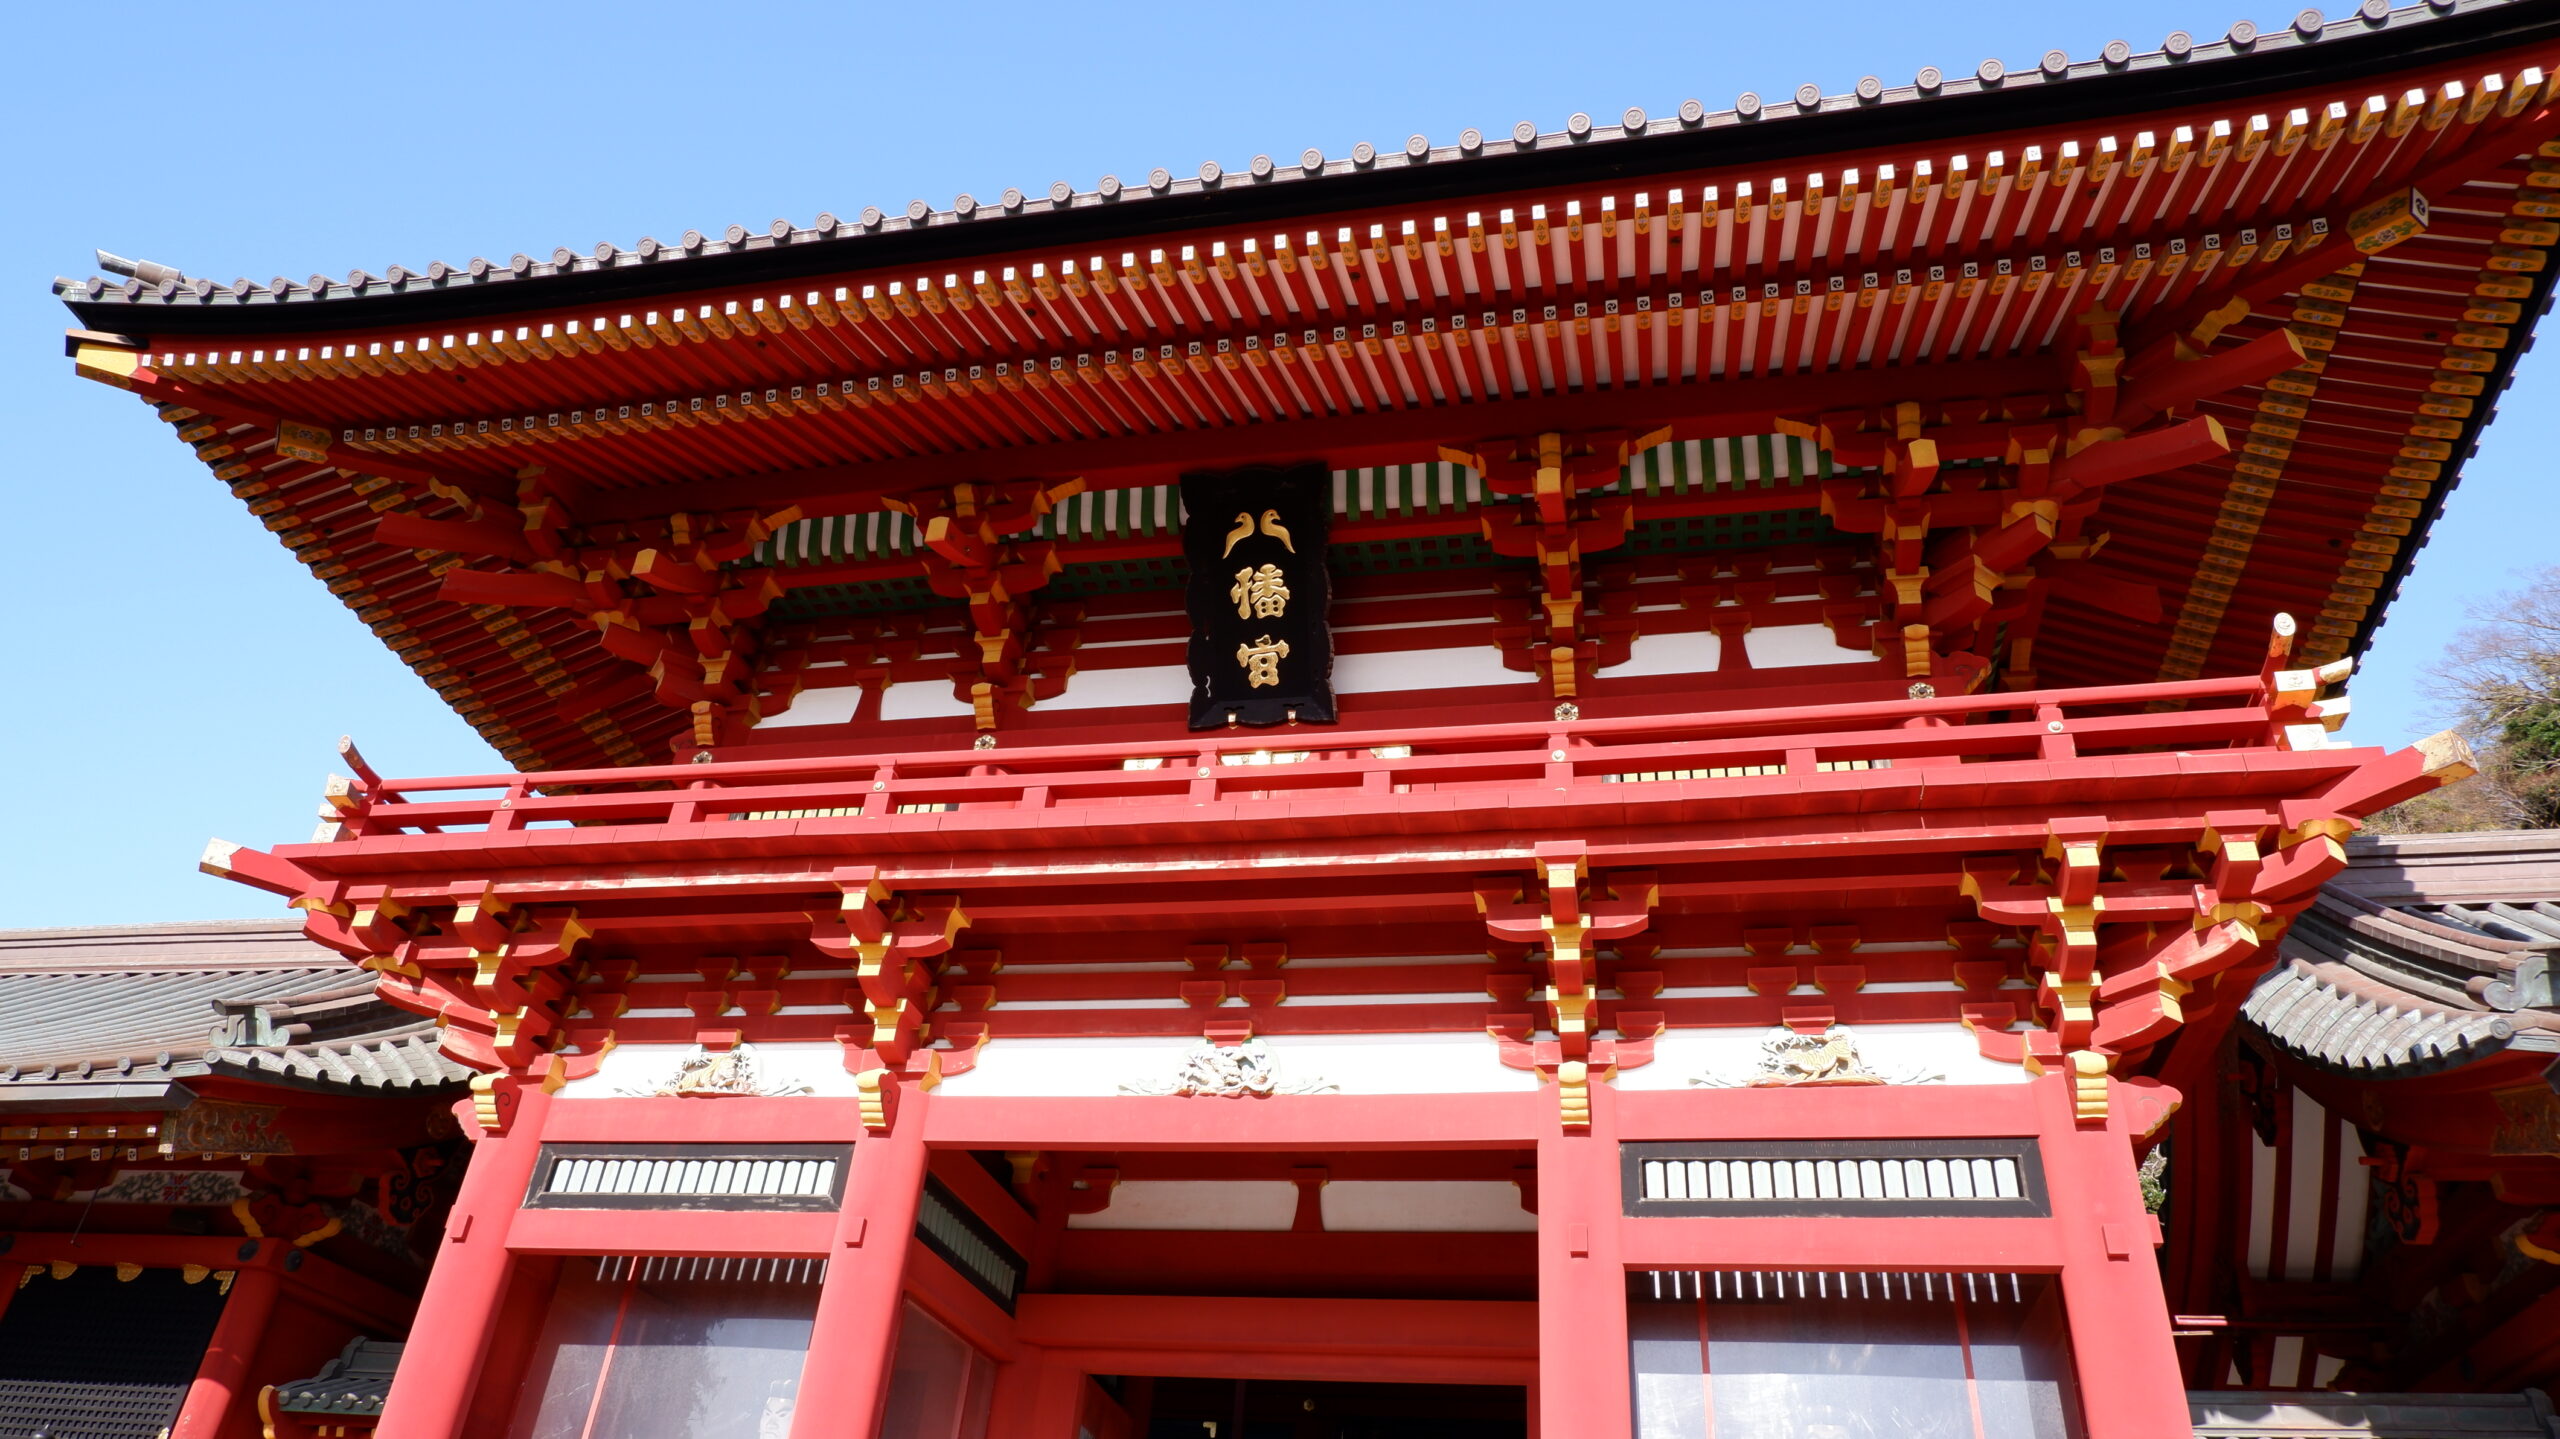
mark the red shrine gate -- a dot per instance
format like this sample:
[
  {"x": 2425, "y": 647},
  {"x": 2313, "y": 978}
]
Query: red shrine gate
[{"x": 1622, "y": 807}]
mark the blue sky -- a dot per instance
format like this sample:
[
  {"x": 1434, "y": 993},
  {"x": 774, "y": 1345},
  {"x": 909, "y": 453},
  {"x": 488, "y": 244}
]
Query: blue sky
[{"x": 167, "y": 673}]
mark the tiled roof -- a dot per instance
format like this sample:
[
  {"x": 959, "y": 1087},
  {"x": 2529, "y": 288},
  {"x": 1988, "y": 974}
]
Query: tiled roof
[
  {"x": 2429, "y": 952},
  {"x": 356, "y": 1382},
  {"x": 127, "y": 1010},
  {"x": 409, "y": 1059},
  {"x": 2307, "y": 1414},
  {"x": 210, "y": 944},
  {"x": 1632, "y": 142}
]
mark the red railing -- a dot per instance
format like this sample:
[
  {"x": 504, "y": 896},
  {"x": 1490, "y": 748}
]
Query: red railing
[{"x": 2048, "y": 725}]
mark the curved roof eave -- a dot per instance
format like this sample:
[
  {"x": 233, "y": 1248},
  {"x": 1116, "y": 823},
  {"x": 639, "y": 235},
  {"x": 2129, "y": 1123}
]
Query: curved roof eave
[{"x": 2371, "y": 39}]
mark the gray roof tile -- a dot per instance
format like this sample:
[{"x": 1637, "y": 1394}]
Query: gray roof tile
[
  {"x": 1356, "y": 173},
  {"x": 2427, "y": 953},
  {"x": 144, "y": 1004},
  {"x": 356, "y": 1382}
]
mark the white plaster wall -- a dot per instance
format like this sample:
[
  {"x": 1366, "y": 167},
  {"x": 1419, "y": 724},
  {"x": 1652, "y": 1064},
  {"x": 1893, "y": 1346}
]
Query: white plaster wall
[
  {"x": 1685, "y": 653},
  {"x": 1780, "y": 647},
  {"x": 1681, "y": 1055},
  {"x": 1253, "y": 1205},
  {"x": 1466, "y": 1063},
  {"x": 827, "y": 706},
  {"x": 633, "y": 1069},
  {"x": 1464, "y": 667},
  {"x": 1426, "y": 1206},
  {"x": 924, "y": 699}
]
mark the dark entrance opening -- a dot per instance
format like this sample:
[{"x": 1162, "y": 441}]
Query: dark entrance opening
[
  {"x": 94, "y": 1356},
  {"x": 1291, "y": 1409}
]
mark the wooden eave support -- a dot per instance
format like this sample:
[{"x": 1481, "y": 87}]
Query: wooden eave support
[
  {"x": 890, "y": 938},
  {"x": 1555, "y": 525},
  {"x": 1564, "y": 928},
  {"x": 971, "y": 554}
]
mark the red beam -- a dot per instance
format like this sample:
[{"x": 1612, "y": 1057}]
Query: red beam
[
  {"x": 1347, "y": 1339},
  {"x": 1310, "y": 1123},
  {"x": 713, "y": 1234},
  {"x": 463, "y": 537},
  {"x": 1873, "y": 1245}
]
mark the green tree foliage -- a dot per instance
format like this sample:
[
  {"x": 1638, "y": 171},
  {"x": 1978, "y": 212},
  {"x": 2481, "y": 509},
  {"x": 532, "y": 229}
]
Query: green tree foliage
[{"x": 2499, "y": 684}]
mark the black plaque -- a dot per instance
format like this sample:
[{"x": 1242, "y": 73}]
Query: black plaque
[{"x": 1260, "y": 651}]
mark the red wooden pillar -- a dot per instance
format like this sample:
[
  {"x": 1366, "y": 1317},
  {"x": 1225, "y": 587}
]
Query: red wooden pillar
[
  {"x": 846, "y": 1381},
  {"x": 449, "y": 1338},
  {"x": 1037, "y": 1397},
  {"x": 2127, "y": 1364},
  {"x": 1582, "y": 1283},
  {"x": 223, "y": 1377}
]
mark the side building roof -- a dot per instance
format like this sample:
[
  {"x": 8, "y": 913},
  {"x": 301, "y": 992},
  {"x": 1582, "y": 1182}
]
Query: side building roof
[
  {"x": 356, "y": 1382},
  {"x": 2428, "y": 953},
  {"x": 123, "y": 1016}
]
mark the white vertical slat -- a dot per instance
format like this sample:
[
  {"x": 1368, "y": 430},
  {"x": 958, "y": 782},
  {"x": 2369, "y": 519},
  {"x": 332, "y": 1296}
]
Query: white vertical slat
[
  {"x": 1697, "y": 1178},
  {"x": 2284, "y": 1360},
  {"x": 2346, "y": 1254},
  {"x": 2302, "y": 1224},
  {"x": 1719, "y": 1180},
  {"x": 1653, "y": 1180},
  {"x": 2262, "y": 1207}
]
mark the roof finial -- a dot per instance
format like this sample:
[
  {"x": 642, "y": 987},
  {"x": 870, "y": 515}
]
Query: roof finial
[{"x": 143, "y": 270}]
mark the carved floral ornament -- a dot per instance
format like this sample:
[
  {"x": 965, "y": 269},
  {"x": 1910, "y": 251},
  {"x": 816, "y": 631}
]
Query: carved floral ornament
[
  {"x": 709, "y": 1073},
  {"x": 1788, "y": 1059},
  {"x": 1241, "y": 1071}
]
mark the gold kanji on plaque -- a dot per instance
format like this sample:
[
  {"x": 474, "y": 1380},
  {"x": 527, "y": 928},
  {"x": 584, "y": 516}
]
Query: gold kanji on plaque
[
  {"x": 1261, "y": 660},
  {"x": 1260, "y": 594}
]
